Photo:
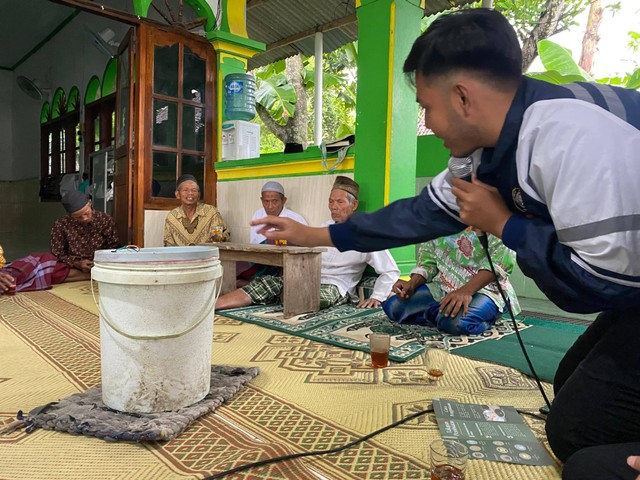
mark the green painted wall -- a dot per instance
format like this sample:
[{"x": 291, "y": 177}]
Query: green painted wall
[{"x": 386, "y": 110}]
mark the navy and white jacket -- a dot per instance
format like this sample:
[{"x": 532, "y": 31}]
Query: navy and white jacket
[{"x": 567, "y": 163}]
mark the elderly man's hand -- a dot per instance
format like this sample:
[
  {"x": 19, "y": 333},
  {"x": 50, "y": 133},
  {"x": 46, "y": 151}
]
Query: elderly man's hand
[
  {"x": 6, "y": 281},
  {"x": 283, "y": 228},
  {"x": 369, "y": 303},
  {"x": 83, "y": 265},
  {"x": 481, "y": 206}
]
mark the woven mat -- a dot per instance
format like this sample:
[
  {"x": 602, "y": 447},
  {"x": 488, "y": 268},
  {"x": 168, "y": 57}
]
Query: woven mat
[
  {"x": 349, "y": 327},
  {"x": 309, "y": 395},
  {"x": 85, "y": 413}
]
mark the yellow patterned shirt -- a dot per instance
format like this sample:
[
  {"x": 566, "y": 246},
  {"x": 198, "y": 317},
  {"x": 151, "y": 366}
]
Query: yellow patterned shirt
[{"x": 179, "y": 231}]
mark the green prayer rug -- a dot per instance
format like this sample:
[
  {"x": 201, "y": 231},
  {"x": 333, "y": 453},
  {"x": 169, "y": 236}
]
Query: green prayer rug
[
  {"x": 546, "y": 343},
  {"x": 349, "y": 327}
]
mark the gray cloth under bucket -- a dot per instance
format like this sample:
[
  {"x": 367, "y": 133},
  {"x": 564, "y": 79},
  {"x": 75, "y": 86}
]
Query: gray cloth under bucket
[{"x": 86, "y": 414}]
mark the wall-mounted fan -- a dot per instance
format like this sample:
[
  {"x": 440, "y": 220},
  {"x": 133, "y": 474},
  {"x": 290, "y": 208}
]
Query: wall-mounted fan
[
  {"x": 104, "y": 42},
  {"x": 31, "y": 88}
]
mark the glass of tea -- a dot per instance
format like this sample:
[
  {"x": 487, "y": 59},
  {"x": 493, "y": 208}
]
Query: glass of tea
[
  {"x": 448, "y": 459},
  {"x": 435, "y": 362},
  {"x": 217, "y": 233},
  {"x": 379, "y": 344},
  {"x": 281, "y": 243}
]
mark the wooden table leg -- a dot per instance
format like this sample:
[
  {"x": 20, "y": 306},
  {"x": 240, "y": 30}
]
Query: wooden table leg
[
  {"x": 301, "y": 291},
  {"x": 228, "y": 276}
]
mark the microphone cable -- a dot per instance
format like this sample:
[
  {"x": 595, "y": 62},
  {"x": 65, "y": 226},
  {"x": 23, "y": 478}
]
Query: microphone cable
[
  {"x": 292, "y": 456},
  {"x": 485, "y": 245}
]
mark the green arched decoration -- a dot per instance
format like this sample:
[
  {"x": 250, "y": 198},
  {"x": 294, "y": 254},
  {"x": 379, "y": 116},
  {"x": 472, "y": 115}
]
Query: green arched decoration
[
  {"x": 45, "y": 113},
  {"x": 201, "y": 7},
  {"x": 58, "y": 103},
  {"x": 92, "y": 92},
  {"x": 110, "y": 77},
  {"x": 73, "y": 99}
]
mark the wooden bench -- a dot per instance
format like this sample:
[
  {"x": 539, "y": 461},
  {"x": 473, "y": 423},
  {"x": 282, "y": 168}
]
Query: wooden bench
[{"x": 300, "y": 271}]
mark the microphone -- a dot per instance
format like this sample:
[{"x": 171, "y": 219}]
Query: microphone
[{"x": 462, "y": 168}]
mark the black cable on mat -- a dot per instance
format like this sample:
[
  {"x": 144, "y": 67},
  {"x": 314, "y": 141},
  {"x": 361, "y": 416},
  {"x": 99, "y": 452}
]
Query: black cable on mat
[
  {"x": 506, "y": 301},
  {"x": 318, "y": 452}
]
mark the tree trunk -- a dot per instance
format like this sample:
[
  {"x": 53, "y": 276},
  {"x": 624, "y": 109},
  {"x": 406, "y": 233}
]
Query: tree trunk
[
  {"x": 547, "y": 26},
  {"x": 295, "y": 130},
  {"x": 591, "y": 36},
  {"x": 297, "y": 126}
]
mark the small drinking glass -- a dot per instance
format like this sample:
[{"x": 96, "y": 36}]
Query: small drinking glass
[
  {"x": 217, "y": 233},
  {"x": 281, "y": 243},
  {"x": 448, "y": 460},
  {"x": 379, "y": 344},
  {"x": 435, "y": 362}
]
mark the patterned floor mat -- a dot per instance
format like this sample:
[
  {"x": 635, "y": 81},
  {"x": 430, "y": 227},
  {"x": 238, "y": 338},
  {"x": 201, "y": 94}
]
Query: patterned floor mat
[{"x": 349, "y": 327}]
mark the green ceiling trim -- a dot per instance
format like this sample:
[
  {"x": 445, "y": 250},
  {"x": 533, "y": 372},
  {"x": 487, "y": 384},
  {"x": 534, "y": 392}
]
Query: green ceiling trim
[
  {"x": 73, "y": 99},
  {"x": 57, "y": 103},
  {"x": 201, "y": 7},
  {"x": 92, "y": 92},
  {"x": 45, "y": 112},
  {"x": 43, "y": 42},
  {"x": 109, "y": 77}
]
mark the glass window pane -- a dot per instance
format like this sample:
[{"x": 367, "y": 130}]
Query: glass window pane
[
  {"x": 165, "y": 70},
  {"x": 192, "y": 128},
  {"x": 194, "y": 76},
  {"x": 96, "y": 130},
  {"x": 163, "y": 176},
  {"x": 165, "y": 123},
  {"x": 123, "y": 97},
  {"x": 194, "y": 165}
]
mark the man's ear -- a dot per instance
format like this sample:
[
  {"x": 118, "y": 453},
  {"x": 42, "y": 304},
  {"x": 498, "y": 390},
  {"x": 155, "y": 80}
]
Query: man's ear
[
  {"x": 284, "y": 200},
  {"x": 177, "y": 195},
  {"x": 462, "y": 98}
]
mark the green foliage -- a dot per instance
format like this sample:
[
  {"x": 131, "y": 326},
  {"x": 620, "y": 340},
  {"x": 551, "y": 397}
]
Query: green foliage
[
  {"x": 555, "y": 57},
  {"x": 562, "y": 68},
  {"x": 339, "y": 95},
  {"x": 525, "y": 14},
  {"x": 277, "y": 95}
]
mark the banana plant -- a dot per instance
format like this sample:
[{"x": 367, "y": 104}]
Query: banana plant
[{"x": 562, "y": 68}]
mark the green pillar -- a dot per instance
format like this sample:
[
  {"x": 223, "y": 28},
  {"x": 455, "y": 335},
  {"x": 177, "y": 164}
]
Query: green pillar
[
  {"x": 233, "y": 50},
  {"x": 386, "y": 109}
]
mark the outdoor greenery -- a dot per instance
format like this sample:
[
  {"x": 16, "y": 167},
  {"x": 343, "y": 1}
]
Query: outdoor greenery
[
  {"x": 280, "y": 90},
  {"x": 276, "y": 96}
]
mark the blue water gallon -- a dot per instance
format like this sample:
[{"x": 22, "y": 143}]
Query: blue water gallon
[{"x": 240, "y": 96}]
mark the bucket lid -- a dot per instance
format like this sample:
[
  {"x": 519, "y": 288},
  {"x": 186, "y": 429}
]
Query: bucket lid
[{"x": 159, "y": 254}]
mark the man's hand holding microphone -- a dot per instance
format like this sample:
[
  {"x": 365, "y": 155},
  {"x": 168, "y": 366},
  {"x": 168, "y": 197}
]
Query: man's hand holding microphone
[{"x": 481, "y": 206}]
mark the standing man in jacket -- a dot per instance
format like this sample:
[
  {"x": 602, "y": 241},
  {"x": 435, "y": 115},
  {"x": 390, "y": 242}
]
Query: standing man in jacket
[{"x": 557, "y": 178}]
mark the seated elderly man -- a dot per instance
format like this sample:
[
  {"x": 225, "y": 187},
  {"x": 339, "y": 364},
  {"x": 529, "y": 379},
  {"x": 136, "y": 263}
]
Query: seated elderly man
[
  {"x": 192, "y": 222},
  {"x": 341, "y": 271},
  {"x": 273, "y": 203},
  {"x": 74, "y": 239}
]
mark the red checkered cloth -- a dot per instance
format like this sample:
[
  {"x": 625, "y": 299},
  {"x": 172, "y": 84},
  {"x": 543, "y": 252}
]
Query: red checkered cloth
[{"x": 37, "y": 271}]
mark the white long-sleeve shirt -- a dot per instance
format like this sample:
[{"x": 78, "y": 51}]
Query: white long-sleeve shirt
[
  {"x": 345, "y": 269},
  {"x": 257, "y": 238}
]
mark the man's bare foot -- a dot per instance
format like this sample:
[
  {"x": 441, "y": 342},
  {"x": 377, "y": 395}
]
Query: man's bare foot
[{"x": 237, "y": 298}]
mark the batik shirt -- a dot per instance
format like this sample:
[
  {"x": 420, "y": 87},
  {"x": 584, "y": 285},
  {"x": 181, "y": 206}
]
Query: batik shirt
[
  {"x": 72, "y": 240},
  {"x": 180, "y": 231},
  {"x": 448, "y": 263}
]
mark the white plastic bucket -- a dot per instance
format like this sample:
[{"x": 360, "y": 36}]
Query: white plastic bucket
[{"x": 156, "y": 325}]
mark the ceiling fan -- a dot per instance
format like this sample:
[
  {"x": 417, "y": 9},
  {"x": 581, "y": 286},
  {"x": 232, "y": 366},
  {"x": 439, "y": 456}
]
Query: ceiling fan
[
  {"x": 31, "y": 88},
  {"x": 104, "y": 42}
]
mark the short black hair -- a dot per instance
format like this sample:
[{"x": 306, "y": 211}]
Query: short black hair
[{"x": 477, "y": 39}]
